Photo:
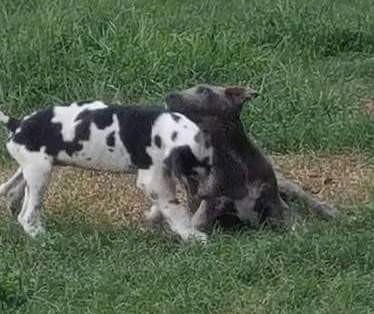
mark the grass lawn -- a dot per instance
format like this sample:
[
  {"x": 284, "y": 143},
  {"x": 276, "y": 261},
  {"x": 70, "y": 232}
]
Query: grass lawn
[{"x": 312, "y": 61}]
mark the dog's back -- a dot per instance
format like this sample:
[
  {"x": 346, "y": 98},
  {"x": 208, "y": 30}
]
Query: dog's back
[{"x": 95, "y": 135}]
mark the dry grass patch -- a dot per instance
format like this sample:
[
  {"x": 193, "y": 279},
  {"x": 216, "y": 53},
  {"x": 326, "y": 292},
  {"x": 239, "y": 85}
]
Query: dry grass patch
[
  {"x": 343, "y": 179},
  {"x": 368, "y": 107},
  {"x": 107, "y": 198}
]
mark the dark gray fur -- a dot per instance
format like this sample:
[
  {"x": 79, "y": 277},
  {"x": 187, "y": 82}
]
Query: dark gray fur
[{"x": 240, "y": 168}]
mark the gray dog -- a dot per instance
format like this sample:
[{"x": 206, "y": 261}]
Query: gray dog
[{"x": 246, "y": 183}]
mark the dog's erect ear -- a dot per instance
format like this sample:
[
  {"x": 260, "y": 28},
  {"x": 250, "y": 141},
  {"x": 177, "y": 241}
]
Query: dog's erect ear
[
  {"x": 238, "y": 95},
  {"x": 174, "y": 102}
]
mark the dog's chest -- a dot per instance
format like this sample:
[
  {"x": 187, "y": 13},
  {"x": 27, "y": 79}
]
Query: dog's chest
[{"x": 245, "y": 206}]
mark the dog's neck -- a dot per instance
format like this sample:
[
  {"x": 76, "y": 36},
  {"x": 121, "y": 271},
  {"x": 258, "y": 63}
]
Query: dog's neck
[
  {"x": 226, "y": 131},
  {"x": 228, "y": 134}
]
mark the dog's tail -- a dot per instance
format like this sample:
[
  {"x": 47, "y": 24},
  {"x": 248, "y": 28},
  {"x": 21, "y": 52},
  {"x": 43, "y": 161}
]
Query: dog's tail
[{"x": 11, "y": 123}]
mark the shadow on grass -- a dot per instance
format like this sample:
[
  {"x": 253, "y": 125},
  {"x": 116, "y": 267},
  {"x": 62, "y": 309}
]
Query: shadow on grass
[{"x": 11, "y": 297}]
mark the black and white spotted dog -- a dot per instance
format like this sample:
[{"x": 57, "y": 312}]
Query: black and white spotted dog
[{"x": 163, "y": 146}]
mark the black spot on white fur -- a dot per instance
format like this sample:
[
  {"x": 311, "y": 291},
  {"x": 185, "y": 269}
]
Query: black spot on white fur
[
  {"x": 38, "y": 131},
  {"x": 154, "y": 196},
  {"x": 110, "y": 140},
  {"x": 135, "y": 132},
  {"x": 158, "y": 141},
  {"x": 101, "y": 117},
  {"x": 174, "y": 202},
  {"x": 135, "y": 128},
  {"x": 198, "y": 137},
  {"x": 183, "y": 162},
  {"x": 175, "y": 117},
  {"x": 174, "y": 136}
]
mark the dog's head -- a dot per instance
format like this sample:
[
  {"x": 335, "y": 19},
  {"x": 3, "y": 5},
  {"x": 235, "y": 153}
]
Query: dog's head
[{"x": 211, "y": 100}]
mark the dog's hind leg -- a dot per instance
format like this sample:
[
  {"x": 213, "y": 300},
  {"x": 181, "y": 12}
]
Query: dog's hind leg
[
  {"x": 13, "y": 190},
  {"x": 37, "y": 176},
  {"x": 209, "y": 211},
  {"x": 14, "y": 198},
  {"x": 7, "y": 186},
  {"x": 292, "y": 190}
]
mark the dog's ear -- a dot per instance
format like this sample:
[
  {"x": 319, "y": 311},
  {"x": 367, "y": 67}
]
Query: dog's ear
[
  {"x": 238, "y": 95},
  {"x": 175, "y": 102}
]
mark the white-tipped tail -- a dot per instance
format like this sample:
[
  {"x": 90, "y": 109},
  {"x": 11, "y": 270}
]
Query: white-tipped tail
[{"x": 4, "y": 118}]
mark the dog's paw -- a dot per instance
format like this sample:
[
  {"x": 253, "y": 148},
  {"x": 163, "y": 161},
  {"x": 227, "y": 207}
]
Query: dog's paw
[
  {"x": 198, "y": 236},
  {"x": 153, "y": 216},
  {"x": 34, "y": 231}
]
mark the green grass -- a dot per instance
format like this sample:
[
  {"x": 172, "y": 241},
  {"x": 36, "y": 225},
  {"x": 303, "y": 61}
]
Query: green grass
[
  {"x": 320, "y": 268},
  {"x": 312, "y": 61}
]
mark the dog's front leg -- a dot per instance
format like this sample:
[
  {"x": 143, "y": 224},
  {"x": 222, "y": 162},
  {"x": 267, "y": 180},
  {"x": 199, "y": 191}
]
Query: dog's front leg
[
  {"x": 207, "y": 213},
  {"x": 160, "y": 187},
  {"x": 193, "y": 199},
  {"x": 179, "y": 220}
]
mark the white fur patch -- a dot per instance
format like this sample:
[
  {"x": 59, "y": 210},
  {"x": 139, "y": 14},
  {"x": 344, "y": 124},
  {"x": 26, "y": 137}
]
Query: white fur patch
[
  {"x": 245, "y": 206},
  {"x": 96, "y": 154},
  {"x": 186, "y": 131},
  {"x": 153, "y": 181},
  {"x": 66, "y": 115},
  {"x": 4, "y": 118}
]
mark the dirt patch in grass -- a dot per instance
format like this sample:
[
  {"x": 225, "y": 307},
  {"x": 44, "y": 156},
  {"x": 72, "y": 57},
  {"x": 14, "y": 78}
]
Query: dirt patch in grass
[
  {"x": 341, "y": 179},
  {"x": 368, "y": 107},
  {"x": 113, "y": 199}
]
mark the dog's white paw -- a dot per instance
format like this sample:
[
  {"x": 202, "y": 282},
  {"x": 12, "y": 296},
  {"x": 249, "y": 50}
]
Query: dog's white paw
[
  {"x": 196, "y": 235},
  {"x": 33, "y": 230},
  {"x": 152, "y": 215}
]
